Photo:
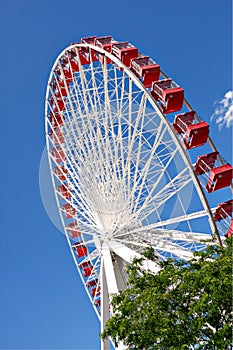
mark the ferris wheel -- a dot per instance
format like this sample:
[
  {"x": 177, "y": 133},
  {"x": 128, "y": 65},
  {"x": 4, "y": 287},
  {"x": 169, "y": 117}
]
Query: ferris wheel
[{"x": 132, "y": 165}]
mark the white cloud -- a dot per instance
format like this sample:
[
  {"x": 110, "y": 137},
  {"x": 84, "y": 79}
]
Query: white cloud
[{"x": 223, "y": 114}]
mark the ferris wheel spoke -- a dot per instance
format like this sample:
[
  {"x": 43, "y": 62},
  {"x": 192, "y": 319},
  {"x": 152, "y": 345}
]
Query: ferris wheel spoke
[
  {"x": 116, "y": 85},
  {"x": 142, "y": 179},
  {"x": 138, "y": 244},
  {"x": 182, "y": 248},
  {"x": 75, "y": 86},
  {"x": 80, "y": 212},
  {"x": 127, "y": 254},
  {"x": 108, "y": 122},
  {"x": 96, "y": 89},
  {"x": 94, "y": 257},
  {"x": 89, "y": 97},
  {"x": 121, "y": 117},
  {"x": 162, "y": 162},
  {"x": 76, "y": 100},
  {"x": 162, "y": 243},
  {"x": 131, "y": 140},
  {"x": 138, "y": 160},
  {"x": 152, "y": 202},
  {"x": 177, "y": 235},
  {"x": 132, "y": 97},
  {"x": 69, "y": 97},
  {"x": 96, "y": 267},
  {"x": 85, "y": 93},
  {"x": 169, "y": 190},
  {"x": 89, "y": 242},
  {"x": 135, "y": 241},
  {"x": 165, "y": 223},
  {"x": 131, "y": 136},
  {"x": 95, "y": 254},
  {"x": 90, "y": 149},
  {"x": 86, "y": 227},
  {"x": 82, "y": 208},
  {"x": 118, "y": 139},
  {"x": 72, "y": 121},
  {"x": 113, "y": 87},
  {"x": 129, "y": 117},
  {"x": 77, "y": 194},
  {"x": 123, "y": 93},
  {"x": 178, "y": 251},
  {"x": 83, "y": 203},
  {"x": 113, "y": 164}
]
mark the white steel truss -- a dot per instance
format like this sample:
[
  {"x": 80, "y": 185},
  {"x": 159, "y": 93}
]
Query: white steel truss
[{"x": 123, "y": 171}]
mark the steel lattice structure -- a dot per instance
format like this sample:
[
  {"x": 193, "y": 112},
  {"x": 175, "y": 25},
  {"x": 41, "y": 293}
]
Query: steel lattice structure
[{"x": 121, "y": 169}]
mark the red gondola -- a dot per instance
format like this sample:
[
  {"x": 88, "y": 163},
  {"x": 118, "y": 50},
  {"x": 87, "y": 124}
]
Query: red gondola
[
  {"x": 67, "y": 73},
  {"x": 64, "y": 73},
  {"x": 69, "y": 210},
  {"x": 146, "y": 70},
  {"x": 71, "y": 62},
  {"x": 88, "y": 53},
  {"x": 57, "y": 104},
  {"x": 85, "y": 264},
  {"x": 57, "y": 135},
  {"x": 125, "y": 52},
  {"x": 98, "y": 302},
  {"x": 196, "y": 134},
  {"x": 223, "y": 210},
  {"x": 56, "y": 119},
  {"x": 74, "y": 230},
  {"x": 87, "y": 268},
  {"x": 205, "y": 163},
  {"x": 106, "y": 43},
  {"x": 219, "y": 177},
  {"x": 230, "y": 230},
  {"x": 169, "y": 93},
  {"x": 61, "y": 172},
  {"x": 95, "y": 291},
  {"x": 59, "y": 88},
  {"x": 87, "y": 271},
  {"x": 64, "y": 191},
  {"x": 58, "y": 154},
  {"x": 81, "y": 251},
  {"x": 91, "y": 283}
]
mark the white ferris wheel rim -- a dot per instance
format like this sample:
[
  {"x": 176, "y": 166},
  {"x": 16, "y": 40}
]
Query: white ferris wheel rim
[
  {"x": 182, "y": 152},
  {"x": 132, "y": 76}
]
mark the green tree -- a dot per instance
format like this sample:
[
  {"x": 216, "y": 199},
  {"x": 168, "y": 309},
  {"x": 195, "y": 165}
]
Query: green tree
[{"x": 187, "y": 305}]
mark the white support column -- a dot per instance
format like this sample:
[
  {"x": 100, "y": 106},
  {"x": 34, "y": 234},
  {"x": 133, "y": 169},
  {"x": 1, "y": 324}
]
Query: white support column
[
  {"x": 109, "y": 286},
  {"x": 109, "y": 271},
  {"x": 105, "y": 344},
  {"x": 120, "y": 273}
]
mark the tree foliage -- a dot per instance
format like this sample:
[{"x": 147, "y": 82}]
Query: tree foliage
[{"x": 187, "y": 305}]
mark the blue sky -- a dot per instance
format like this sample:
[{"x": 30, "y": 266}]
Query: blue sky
[{"x": 42, "y": 301}]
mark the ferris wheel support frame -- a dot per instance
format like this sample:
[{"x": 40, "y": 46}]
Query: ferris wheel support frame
[
  {"x": 153, "y": 103},
  {"x": 110, "y": 277},
  {"x": 105, "y": 344}
]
